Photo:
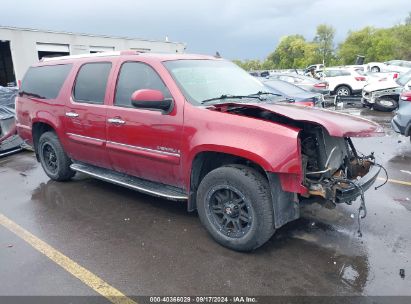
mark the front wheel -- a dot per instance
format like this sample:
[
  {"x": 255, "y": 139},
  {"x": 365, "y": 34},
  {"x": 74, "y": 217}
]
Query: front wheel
[
  {"x": 234, "y": 204},
  {"x": 54, "y": 160},
  {"x": 385, "y": 104}
]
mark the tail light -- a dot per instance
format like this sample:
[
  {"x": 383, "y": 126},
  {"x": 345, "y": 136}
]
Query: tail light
[
  {"x": 406, "y": 96},
  {"x": 305, "y": 103},
  {"x": 360, "y": 78},
  {"x": 321, "y": 85},
  {"x": 19, "y": 83},
  {"x": 395, "y": 76}
]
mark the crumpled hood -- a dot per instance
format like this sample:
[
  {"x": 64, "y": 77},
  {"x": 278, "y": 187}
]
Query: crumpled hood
[
  {"x": 381, "y": 85},
  {"x": 336, "y": 123}
]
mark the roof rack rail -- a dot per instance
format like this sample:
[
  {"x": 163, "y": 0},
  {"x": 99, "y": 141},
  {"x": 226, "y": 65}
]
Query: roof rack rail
[{"x": 101, "y": 54}]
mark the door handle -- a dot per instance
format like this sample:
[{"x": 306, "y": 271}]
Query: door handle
[
  {"x": 116, "y": 121},
  {"x": 71, "y": 114}
]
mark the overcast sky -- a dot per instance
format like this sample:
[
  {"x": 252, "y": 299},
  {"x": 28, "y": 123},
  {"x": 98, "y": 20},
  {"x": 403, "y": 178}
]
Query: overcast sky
[{"x": 237, "y": 29}]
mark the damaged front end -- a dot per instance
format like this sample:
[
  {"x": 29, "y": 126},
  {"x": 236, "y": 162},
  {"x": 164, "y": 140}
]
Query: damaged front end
[
  {"x": 10, "y": 142},
  {"x": 333, "y": 171}
]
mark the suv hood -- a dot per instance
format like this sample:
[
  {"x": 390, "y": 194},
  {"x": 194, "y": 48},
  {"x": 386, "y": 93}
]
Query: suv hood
[
  {"x": 381, "y": 85},
  {"x": 337, "y": 124}
]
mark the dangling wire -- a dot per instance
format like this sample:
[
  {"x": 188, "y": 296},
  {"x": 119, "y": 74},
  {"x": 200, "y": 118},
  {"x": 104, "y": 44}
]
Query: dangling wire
[{"x": 386, "y": 176}]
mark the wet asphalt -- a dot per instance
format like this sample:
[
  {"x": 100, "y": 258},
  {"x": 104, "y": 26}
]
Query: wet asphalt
[{"x": 143, "y": 245}]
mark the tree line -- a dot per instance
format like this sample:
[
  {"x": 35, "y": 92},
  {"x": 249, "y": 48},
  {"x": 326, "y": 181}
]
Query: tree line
[{"x": 376, "y": 44}]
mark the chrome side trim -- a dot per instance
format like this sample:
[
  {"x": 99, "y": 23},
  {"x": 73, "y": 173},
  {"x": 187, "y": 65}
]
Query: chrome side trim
[
  {"x": 11, "y": 152},
  {"x": 86, "y": 137},
  {"x": 131, "y": 186},
  {"x": 145, "y": 149}
]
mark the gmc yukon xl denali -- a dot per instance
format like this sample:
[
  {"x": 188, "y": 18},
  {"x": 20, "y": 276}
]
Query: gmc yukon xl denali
[{"x": 197, "y": 129}]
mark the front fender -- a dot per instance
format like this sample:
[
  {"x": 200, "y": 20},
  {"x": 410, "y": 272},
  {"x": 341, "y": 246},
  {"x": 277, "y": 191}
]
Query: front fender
[{"x": 273, "y": 146}]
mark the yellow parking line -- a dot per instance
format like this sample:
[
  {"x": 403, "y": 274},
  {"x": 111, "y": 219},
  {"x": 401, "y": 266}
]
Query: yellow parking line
[
  {"x": 88, "y": 278},
  {"x": 396, "y": 181}
]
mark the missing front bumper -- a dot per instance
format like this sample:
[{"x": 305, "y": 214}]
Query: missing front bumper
[{"x": 349, "y": 192}]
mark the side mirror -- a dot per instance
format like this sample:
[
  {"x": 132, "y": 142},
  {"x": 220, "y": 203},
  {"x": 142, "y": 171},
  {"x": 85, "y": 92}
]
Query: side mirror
[{"x": 151, "y": 100}]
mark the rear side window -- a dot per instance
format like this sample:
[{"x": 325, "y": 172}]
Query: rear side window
[
  {"x": 91, "y": 82},
  {"x": 345, "y": 73},
  {"x": 45, "y": 82},
  {"x": 136, "y": 76}
]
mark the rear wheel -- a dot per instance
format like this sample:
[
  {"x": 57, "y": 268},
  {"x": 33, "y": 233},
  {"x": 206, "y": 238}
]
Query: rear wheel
[
  {"x": 385, "y": 104},
  {"x": 375, "y": 69},
  {"x": 234, "y": 204},
  {"x": 343, "y": 91},
  {"x": 54, "y": 160}
]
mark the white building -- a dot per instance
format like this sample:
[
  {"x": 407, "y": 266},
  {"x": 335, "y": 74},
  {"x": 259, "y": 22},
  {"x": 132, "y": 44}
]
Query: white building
[{"x": 20, "y": 48}]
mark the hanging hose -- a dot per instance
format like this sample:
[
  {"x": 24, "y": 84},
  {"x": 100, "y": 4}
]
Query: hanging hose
[
  {"x": 362, "y": 210},
  {"x": 386, "y": 177}
]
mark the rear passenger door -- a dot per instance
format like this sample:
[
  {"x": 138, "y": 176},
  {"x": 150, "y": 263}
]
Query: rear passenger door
[
  {"x": 143, "y": 143},
  {"x": 85, "y": 114}
]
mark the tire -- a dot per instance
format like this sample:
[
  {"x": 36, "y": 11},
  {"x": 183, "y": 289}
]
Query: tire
[
  {"x": 343, "y": 91},
  {"x": 385, "y": 104},
  {"x": 249, "y": 205},
  {"x": 375, "y": 69},
  {"x": 53, "y": 159}
]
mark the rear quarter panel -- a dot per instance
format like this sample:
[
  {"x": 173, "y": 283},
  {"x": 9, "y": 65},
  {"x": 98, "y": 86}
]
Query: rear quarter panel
[{"x": 30, "y": 110}]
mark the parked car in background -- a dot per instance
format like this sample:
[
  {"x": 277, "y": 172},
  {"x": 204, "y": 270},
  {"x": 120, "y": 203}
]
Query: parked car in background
[
  {"x": 384, "y": 95},
  {"x": 316, "y": 67},
  {"x": 400, "y": 66},
  {"x": 10, "y": 142},
  {"x": 381, "y": 76},
  {"x": 293, "y": 93},
  {"x": 259, "y": 73},
  {"x": 305, "y": 82},
  {"x": 401, "y": 122},
  {"x": 344, "y": 82}
]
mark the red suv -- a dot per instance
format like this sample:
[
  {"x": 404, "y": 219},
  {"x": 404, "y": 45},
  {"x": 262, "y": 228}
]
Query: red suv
[{"x": 193, "y": 128}]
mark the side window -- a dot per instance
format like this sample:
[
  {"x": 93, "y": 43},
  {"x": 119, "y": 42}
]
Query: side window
[
  {"x": 45, "y": 81},
  {"x": 91, "y": 82},
  {"x": 136, "y": 76},
  {"x": 344, "y": 73},
  {"x": 330, "y": 73}
]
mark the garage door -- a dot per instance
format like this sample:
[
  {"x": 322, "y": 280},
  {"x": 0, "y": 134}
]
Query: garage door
[
  {"x": 98, "y": 49},
  {"x": 52, "y": 47}
]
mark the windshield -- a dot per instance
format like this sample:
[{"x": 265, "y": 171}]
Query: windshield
[
  {"x": 404, "y": 79},
  {"x": 205, "y": 79}
]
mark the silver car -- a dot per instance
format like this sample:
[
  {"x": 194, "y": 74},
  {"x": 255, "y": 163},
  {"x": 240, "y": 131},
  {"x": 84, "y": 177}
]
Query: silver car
[
  {"x": 401, "y": 123},
  {"x": 304, "y": 82}
]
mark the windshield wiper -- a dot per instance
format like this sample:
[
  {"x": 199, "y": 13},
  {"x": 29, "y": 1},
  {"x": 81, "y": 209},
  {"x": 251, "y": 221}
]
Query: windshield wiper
[
  {"x": 257, "y": 95},
  {"x": 260, "y": 93}
]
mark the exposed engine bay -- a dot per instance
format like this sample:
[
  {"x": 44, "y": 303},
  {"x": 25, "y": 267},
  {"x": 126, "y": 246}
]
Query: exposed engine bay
[
  {"x": 333, "y": 171},
  {"x": 331, "y": 165}
]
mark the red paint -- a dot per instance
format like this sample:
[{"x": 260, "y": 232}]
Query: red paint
[
  {"x": 147, "y": 95},
  {"x": 336, "y": 123},
  {"x": 305, "y": 103},
  {"x": 406, "y": 96},
  {"x": 162, "y": 147}
]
